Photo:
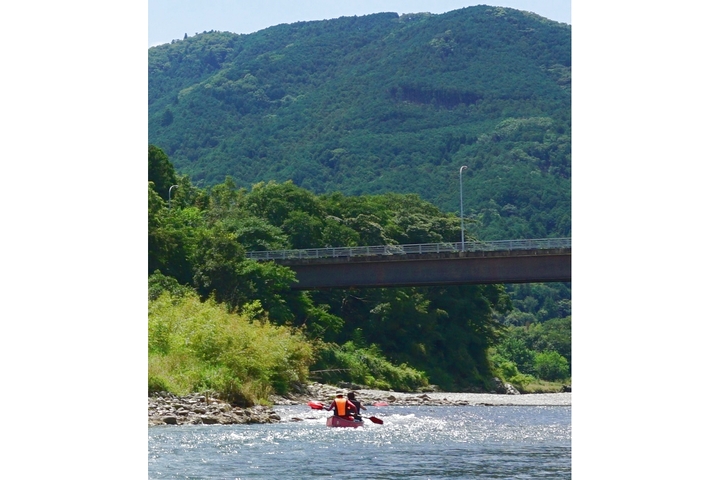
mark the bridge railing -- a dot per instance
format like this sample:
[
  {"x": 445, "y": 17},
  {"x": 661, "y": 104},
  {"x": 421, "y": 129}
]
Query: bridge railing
[{"x": 418, "y": 248}]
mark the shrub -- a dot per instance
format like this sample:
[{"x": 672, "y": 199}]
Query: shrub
[
  {"x": 502, "y": 367},
  {"x": 521, "y": 381},
  {"x": 367, "y": 366},
  {"x": 550, "y": 365},
  {"x": 508, "y": 371},
  {"x": 159, "y": 283}
]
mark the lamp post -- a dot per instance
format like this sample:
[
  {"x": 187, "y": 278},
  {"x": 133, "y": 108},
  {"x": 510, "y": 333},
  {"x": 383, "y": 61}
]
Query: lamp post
[
  {"x": 169, "y": 192},
  {"x": 462, "y": 220}
]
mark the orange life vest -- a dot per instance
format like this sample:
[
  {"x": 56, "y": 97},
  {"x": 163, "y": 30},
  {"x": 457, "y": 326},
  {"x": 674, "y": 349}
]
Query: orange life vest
[{"x": 341, "y": 406}]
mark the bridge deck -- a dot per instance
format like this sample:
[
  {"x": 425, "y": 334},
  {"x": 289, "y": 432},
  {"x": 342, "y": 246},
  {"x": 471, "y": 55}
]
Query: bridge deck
[{"x": 521, "y": 265}]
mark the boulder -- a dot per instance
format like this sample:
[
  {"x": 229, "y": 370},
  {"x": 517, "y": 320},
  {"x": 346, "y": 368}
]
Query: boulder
[{"x": 510, "y": 390}]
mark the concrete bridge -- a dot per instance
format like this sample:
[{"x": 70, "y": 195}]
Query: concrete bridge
[{"x": 505, "y": 261}]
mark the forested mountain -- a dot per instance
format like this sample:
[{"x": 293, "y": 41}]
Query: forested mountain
[{"x": 381, "y": 103}]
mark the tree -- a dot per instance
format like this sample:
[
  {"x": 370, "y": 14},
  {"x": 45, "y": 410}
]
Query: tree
[
  {"x": 216, "y": 267},
  {"x": 515, "y": 350},
  {"x": 256, "y": 234},
  {"x": 160, "y": 171},
  {"x": 274, "y": 202},
  {"x": 303, "y": 230},
  {"x": 172, "y": 235}
]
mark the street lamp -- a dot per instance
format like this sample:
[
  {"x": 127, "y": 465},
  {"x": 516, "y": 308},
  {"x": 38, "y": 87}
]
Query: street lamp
[
  {"x": 169, "y": 192},
  {"x": 462, "y": 220}
]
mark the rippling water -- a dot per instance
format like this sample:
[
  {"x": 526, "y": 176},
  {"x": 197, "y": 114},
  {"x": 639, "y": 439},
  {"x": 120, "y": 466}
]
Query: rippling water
[{"x": 414, "y": 443}]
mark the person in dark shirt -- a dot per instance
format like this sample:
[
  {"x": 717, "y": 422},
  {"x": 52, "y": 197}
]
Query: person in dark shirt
[{"x": 357, "y": 403}]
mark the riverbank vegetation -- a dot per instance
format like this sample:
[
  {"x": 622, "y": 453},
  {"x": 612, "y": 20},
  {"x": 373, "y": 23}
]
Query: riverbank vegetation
[{"x": 219, "y": 321}]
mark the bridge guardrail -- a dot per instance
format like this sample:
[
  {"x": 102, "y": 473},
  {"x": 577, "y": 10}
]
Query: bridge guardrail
[{"x": 418, "y": 248}]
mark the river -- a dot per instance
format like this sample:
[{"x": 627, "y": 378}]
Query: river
[{"x": 414, "y": 442}]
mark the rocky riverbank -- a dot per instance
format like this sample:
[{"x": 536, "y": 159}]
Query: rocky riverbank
[{"x": 196, "y": 409}]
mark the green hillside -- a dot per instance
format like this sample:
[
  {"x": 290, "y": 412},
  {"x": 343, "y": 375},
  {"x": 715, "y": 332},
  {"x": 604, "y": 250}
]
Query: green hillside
[{"x": 381, "y": 103}]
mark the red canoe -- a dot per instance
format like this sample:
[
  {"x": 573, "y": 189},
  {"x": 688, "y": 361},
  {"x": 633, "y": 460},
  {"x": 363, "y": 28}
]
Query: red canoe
[{"x": 336, "y": 421}]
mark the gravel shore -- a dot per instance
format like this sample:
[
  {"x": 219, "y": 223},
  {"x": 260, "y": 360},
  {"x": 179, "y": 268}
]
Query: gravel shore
[
  {"x": 325, "y": 393},
  {"x": 435, "y": 398}
]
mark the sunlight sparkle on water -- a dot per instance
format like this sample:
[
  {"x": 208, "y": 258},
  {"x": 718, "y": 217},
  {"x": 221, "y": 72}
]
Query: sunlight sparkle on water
[{"x": 413, "y": 443}]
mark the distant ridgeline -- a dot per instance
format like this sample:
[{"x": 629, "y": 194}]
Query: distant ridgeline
[{"x": 381, "y": 103}]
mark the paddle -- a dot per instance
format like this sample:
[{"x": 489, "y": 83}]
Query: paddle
[{"x": 319, "y": 406}]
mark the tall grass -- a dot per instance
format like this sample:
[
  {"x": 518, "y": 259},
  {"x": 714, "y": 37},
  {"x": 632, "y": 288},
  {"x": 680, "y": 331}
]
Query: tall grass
[{"x": 196, "y": 346}]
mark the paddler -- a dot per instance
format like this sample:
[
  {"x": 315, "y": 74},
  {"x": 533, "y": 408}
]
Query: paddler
[
  {"x": 342, "y": 407},
  {"x": 357, "y": 403}
]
